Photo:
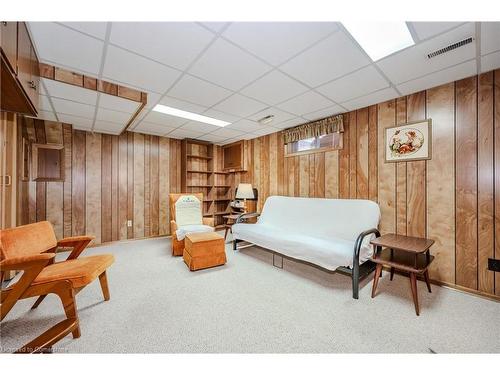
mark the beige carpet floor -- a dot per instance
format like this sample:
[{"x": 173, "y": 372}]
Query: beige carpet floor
[{"x": 248, "y": 305}]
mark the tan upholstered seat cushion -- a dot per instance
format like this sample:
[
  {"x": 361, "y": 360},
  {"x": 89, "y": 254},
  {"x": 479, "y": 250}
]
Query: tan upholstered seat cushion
[{"x": 79, "y": 272}]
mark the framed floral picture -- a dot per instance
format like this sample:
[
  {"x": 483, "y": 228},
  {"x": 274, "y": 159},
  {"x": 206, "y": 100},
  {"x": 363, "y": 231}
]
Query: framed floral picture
[{"x": 407, "y": 142}]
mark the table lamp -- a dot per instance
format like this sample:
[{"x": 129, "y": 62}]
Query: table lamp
[{"x": 245, "y": 191}]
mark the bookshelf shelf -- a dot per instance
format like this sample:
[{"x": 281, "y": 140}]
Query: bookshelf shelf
[{"x": 201, "y": 172}]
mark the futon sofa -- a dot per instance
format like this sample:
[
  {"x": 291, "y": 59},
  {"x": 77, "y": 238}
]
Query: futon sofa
[{"x": 333, "y": 234}]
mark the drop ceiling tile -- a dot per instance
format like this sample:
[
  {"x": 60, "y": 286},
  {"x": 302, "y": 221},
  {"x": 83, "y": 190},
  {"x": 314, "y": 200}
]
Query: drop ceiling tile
[
  {"x": 181, "y": 104},
  {"x": 197, "y": 91},
  {"x": 104, "y": 114},
  {"x": 490, "y": 62},
  {"x": 108, "y": 127},
  {"x": 65, "y": 47},
  {"x": 175, "y": 44},
  {"x": 77, "y": 122},
  {"x": 329, "y": 59},
  {"x": 322, "y": 113},
  {"x": 426, "y": 30},
  {"x": 276, "y": 42},
  {"x": 211, "y": 138},
  {"x": 163, "y": 119},
  {"x": 435, "y": 79},
  {"x": 305, "y": 103},
  {"x": 46, "y": 115},
  {"x": 180, "y": 134},
  {"x": 373, "y": 98},
  {"x": 220, "y": 115},
  {"x": 275, "y": 87},
  {"x": 290, "y": 123},
  {"x": 147, "y": 127},
  {"x": 96, "y": 29},
  {"x": 279, "y": 115},
  {"x": 240, "y": 105},
  {"x": 69, "y": 92},
  {"x": 359, "y": 83},
  {"x": 44, "y": 104},
  {"x": 247, "y": 136},
  {"x": 215, "y": 26},
  {"x": 228, "y": 133},
  {"x": 228, "y": 66},
  {"x": 265, "y": 131},
  {"x": 138, "y": 71},
  {"x": 199, "y": 127},
  {"x": 245, "y": 126},
  {"x": 490, "y": 37},
  {"x": 73, "y": 108},
  {"x": 150, "y": 132},
  {"x": 413, "y": 63},
  {"x": 153, "y": 99},
  {"x": 116, "y": 103}
]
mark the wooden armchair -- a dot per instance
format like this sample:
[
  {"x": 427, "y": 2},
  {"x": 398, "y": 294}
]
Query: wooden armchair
[
  {"x": 32, "y": 248},
  {"x": 178, "y": 244}
]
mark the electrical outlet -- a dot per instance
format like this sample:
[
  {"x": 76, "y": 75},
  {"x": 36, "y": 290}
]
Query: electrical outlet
[
  {"x": 129, "y": 223},
  {"x": 494, "y": 264}
]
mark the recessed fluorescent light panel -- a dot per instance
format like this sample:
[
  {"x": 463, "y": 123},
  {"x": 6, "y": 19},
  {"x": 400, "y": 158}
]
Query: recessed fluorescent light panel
[
  {"x": 189, "y": 115},
  {"x": 380, "y": 39}
]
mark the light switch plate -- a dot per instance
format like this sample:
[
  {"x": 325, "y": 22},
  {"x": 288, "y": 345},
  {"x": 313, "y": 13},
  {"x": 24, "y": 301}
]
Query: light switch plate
[{"x": 129, "y": 223}]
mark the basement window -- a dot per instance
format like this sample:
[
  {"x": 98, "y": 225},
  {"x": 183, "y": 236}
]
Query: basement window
[{"x": 327, "y": 142}]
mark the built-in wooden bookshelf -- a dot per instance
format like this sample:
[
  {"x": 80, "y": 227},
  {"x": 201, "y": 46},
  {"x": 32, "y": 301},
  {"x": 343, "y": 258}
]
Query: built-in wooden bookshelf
[{"x": 201, "y": 172}]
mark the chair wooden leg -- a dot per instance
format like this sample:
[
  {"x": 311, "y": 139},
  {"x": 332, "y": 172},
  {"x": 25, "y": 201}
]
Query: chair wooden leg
[
  {"x": 426, "y": 277},
  {"x": 38, "y": 302},
  {"x": 104, "y": 285},
  {"x": 67, "y": 296},
  {"x": 225, "y": 233},
  {"x": 392, "y": 273},
  {"x": 375, "y": 279},
  {"x": 413, "y": 282}
]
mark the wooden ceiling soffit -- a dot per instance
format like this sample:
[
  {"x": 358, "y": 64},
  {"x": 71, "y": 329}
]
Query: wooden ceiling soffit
[{"x": 88, "y": 82}]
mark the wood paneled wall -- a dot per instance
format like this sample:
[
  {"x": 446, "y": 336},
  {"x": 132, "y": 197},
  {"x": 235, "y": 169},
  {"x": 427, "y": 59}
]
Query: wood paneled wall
[
  {"x": 108, "y": 181},
  {"x": 454, "y": 198}
]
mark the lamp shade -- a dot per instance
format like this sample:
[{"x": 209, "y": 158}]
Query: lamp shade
[{"x": 245, "y": 191}]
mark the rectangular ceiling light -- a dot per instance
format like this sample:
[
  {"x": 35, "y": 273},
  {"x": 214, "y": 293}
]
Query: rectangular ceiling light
[
  {"x": 189, "y": 115},
  {"x": 380, "y": 39}
]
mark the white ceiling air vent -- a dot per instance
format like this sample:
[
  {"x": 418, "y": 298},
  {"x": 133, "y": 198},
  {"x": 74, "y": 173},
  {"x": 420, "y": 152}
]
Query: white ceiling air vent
[
  {"x": 266, "y": 120},
  {"x": 451, "y": 47}
]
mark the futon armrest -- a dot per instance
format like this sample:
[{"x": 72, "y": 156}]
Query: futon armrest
[
  {"x": 26, "y": 262},
  {"x": 359, "y": 241},
  {"x": 246, "y": 216}
]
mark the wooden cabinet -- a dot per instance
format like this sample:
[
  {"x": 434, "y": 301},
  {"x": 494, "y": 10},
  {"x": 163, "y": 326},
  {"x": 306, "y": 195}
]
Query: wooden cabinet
[
  {"x": 20, "y": 70},
  {"x": 234, "y": 157},
  {"x": 8, "y": 36}
]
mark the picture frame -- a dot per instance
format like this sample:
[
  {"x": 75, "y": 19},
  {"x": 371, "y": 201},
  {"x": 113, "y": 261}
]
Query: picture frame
[{"x": 408, "y": 142}]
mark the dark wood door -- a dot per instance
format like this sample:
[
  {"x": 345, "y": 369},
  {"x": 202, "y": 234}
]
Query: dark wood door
[{"x": 9, "y": 43}]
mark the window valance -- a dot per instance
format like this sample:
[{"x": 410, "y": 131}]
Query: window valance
[{"x": 333, "y": 124}]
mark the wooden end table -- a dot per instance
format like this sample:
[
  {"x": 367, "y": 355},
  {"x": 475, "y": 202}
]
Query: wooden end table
[
  {"x": 230, "y": 220},
  {"x": 404, "y": 253}
]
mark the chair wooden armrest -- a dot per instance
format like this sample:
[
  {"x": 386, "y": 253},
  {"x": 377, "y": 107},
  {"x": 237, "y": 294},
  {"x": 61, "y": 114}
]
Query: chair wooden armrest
[
  {"x": 77, "y": 243},
  {"x": 26, "y": 262},
  {"x": 208, "y": 221}
]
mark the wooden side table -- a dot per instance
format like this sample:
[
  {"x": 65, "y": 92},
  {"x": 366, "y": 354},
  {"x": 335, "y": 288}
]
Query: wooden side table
[
  {"x": 404, "y": 253},
  {"x": 230, "y": 220}
]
